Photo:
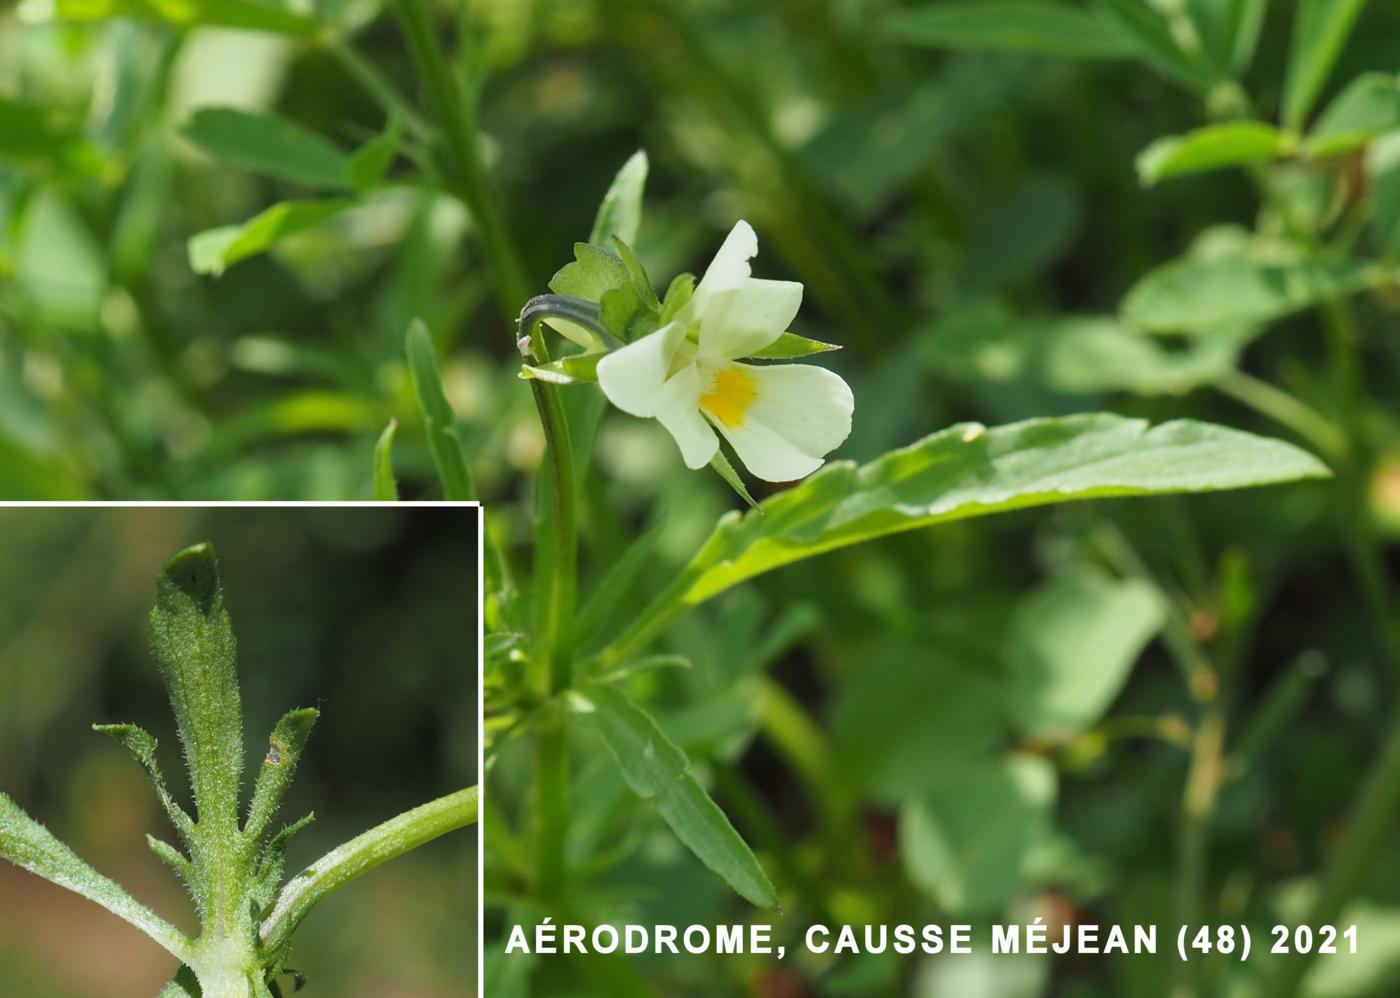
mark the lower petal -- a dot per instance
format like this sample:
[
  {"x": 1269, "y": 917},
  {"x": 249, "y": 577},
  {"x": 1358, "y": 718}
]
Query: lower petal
[
  {"x": 678, "y": 409},
  {"x": 798, "y": 414}
]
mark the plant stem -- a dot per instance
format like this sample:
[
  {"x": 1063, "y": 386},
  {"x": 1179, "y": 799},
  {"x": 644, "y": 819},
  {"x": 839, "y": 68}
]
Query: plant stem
[
  {"x": 361, "y": 854},
  {"x": 1285, "y": 410},
  {"x": 1203, "y": 781},
  {"x": 373, "y": 81},
  {"x": 456, "y": 117}
]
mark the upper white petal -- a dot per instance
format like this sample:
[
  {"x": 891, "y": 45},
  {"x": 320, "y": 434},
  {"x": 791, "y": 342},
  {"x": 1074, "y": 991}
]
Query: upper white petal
[
  {"x": 729, "y": 268},
  {"x": 678, "y": 409},
  {"x": 632, "y": 376},
  {"x": 742, "y": 321},
  {"x": 800, "y": 413}
]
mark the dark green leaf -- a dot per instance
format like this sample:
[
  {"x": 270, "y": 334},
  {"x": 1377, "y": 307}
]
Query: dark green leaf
[
  {"x": 1045, "y": 26},
  {"x": 1368, "y": 107},
  {"x": 269, "y": 144},
  {"x": 1232, "y": 143},
  {"x": 1156, "y": 45},
  {"x": 369, "y": 163},
  {"x": 439, "y": 422},
  {"x": 657, "y": 770},
  {"x": 34, "y": 133}
]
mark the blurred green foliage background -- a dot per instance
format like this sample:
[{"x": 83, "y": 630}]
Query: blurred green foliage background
[
  {"x": 878, "y": 723},
  {"x": 368, "y": 613}
]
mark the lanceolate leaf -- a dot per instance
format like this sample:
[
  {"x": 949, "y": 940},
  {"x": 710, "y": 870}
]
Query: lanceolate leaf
[
  {"x": 1320, "y": 29},
  {"x": 1052, "y": 27},
  {"x": 1156, "y": 45},
  {"x": 386, "y": 489},
  {"x": 439, "y": 421},
  {"x": 284, "y": 749},
  {"x": 193, "y": 644},
  {"x": 658, "y": 770},
  {"x": 968, "y": 471},
  {"x": 30, "y": 846},
  {"x": 269, "y": 144},
  {"x": 142, "y": 746},
  {"x": 215, "y": 250}
]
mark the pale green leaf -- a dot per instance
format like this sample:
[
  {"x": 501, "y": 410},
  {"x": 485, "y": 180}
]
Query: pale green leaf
[
  {"x": 1203, "y": 293},
  {"x": 31, "y": 846},
  {"x": 439, "y": 421},
  {"x": 1320, "y": 30},
  {"x": 1072, "y": 645},
  {"x": 657, "y": 770},
  {"x": 269, "y": 144},
  {"x": 967, "y": 470},
  {"x": 249, "y": 15},
  {"x": 193, "y": 644},
  {"x": 386, "y": 489},
  {"x": 620, "y": 213},
  {"x": 1050, "y": 27},
  {"x": 215, "y": 250},
  {"x": 1232, "y": 143},
  {"x": 968, "y": 839},
  {"x": 1368, "y": 107}
]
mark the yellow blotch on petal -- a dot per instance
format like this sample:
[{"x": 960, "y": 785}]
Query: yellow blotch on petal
[{"x": 731, "y": 394}]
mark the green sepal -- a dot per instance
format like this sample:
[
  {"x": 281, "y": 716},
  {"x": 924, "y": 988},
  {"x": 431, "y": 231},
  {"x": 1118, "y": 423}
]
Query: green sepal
[
  {"x": 617, "y": 282},
  {"x": 577, "y": 370},
  {"x": 193, "y": 644},
  {"x": 141, "y": 744},
  {"x": 726, "y": 471},
  {"x": 678, "y": 295},
  {"x": 790, "y": 345},
  {"x": 284, "y": 748}
]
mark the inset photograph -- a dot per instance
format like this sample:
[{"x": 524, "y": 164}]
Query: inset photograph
[{"x": 250, "y": 734}]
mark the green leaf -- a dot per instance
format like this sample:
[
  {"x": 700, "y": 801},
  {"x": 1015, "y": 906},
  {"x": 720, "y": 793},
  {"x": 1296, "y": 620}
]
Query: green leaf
[
  {"x": 1320, "y": 30},
  {"x": 1205, "y": 292},
  {"x": 594, "y": 272},
  {"x": 1156, "y": 45},
  {"x": 1232, "y": 143},
  {"x": 967, "y": 470},
  {"x": 141, "y": 744},
  {"x": 1072, "y": 645},
  {"x": 269, "y": 144},
  {"x": 369, "y": 163},
  {"x": 1368, "y": 107},
  {"x": 968, "y": 840},
  {"x": 790, "y": 345},
  {"x": 36, "y": 133},
  {"x": 215, "y": 250},
  {"x": 31, "y": 846},
  {"x": 657, "y": 770},
  {"x": 1383, "y": 164},
  {"x": 284, "y": 748},
  {"x": 249, "y": 15},
  {"x": 439, "y": 421},
  {"x": 385, "y": 488},
  {"x": 1044, "y": 26},
  {"x": 193, "y": 644},
  {"x": 678, "y": 292},
  {"x": 1228, "y": 30},
  {"x": 620, "y": 213}
]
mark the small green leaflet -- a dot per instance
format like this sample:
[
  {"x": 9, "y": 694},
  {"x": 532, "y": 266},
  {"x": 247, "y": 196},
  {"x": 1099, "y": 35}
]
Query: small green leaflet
[
  {"x": 968, "y": 470},
  {"x": 1232, "y": 143},
  {"x": 215, "y": 250},
  {"x": 658, "y": 770},
  {"x": 620, "y": 213},
  {"x": 386, "y": 489}
]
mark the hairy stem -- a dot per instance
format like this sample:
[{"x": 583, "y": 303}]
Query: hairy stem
[{"x": 361, "y": 854}]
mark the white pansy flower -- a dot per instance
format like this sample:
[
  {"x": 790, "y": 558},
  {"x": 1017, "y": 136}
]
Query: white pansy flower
[{"x": 781, "y": 419}]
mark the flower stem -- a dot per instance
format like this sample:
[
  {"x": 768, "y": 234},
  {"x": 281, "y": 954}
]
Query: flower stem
[
  {"x": 466, "y": 173},
  {"x": 361, "y": 854}
]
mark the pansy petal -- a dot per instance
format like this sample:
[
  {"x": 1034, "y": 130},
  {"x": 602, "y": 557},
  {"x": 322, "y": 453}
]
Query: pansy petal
[
  {"x": 796, "y": 415},
  {"x": 632, "y": 376},
  {"x": 730, "y": 267},
  {"x": 741, "y": 322},
  {"x": 678, "y": 409}
]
